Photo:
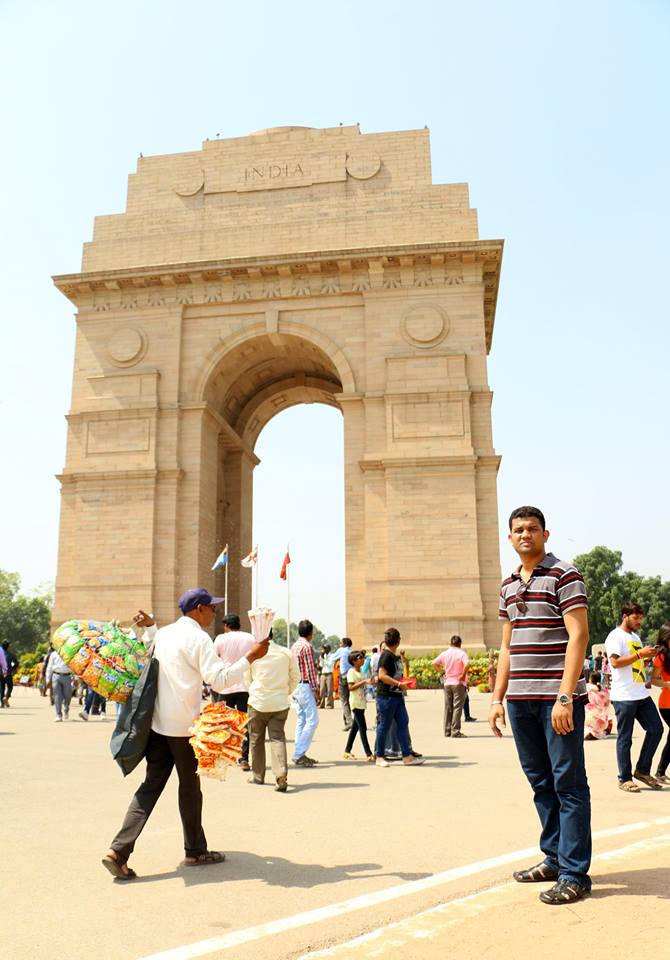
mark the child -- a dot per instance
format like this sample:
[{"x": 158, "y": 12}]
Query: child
[
  {"x": 597, "y": 721},
  {"x": 357, "y": 681}
]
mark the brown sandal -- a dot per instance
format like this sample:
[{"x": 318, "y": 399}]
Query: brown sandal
[
  {"x": 629, "y": 787},
  {"x": 210, "y": 856},
  {"x": 115, "y": 867},
  {"x": 540, "y": 873}
]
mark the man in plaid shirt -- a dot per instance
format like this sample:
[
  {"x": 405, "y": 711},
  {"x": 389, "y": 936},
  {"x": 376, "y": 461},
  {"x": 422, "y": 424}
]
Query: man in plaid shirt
[{"x": 306, "y": 695}]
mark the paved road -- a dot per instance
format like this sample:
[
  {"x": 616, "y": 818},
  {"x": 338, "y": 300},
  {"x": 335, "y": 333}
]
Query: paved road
[{"x": 350, "y": 849}]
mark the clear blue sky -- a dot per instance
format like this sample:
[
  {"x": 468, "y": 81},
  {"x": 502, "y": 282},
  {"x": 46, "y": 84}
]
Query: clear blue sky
[{"x": 554, "y": 112}]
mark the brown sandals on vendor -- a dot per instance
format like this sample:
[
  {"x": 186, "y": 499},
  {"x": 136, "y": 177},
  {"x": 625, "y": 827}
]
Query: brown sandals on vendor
[
  {"x": 115, "y": 867},
  {"x": 210, "y": 856}
]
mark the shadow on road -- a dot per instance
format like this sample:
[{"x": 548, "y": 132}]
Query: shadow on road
[
  {"x": 655, "y": 883},
  {"x": 274, "y": 871}
]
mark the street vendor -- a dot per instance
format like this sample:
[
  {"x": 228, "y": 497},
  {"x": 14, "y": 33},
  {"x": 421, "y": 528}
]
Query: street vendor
[{"x": 186, "y": 658}]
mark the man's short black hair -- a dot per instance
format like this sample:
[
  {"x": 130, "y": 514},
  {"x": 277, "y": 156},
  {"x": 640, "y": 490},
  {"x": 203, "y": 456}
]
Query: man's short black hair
[
  {"x": 524, "y": 512},
  {"x": 305, "y": 628},
  {"x": 455, "y": 641},
  {"x": 630, "y": 608},
  {"x": 392, "y": 637},
  {"x": 232, "y": 621},
  {"x": 346, "y": 641}
]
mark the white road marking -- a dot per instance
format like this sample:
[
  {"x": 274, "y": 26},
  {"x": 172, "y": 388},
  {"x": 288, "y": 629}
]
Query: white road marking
[
  {"x": 418, "y": 926},
  {"x": 238, "y": 937}
]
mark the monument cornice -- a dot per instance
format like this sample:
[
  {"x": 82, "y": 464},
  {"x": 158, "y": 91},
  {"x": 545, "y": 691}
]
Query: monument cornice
[{"x": 370, "y": 271}]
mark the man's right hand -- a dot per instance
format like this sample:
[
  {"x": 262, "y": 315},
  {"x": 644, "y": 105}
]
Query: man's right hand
[
  {"x": 646, "y": 653},
  {"x": 142, "y": 619},
  {"x": 258, "y": 650},
  {"x": 497, "y": 719}
]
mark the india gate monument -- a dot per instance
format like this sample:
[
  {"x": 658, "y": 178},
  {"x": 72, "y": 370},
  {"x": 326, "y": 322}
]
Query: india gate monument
[{"x": 294, "y": 265}]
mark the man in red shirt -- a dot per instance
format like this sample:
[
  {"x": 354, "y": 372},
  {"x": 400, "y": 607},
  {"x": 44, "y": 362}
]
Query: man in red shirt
[{"x": 306, "y": 695}]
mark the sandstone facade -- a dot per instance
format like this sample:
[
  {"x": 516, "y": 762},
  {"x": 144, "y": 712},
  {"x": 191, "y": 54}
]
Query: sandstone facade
[{"x": 293, "y": 265}]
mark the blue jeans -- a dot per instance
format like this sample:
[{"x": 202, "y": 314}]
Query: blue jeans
[
  {"x": 390, "y": 709},
  {"x": 308, "y": 719},
  {"x": 554, "y": 767},
  {"x": 646, "y": 714}
]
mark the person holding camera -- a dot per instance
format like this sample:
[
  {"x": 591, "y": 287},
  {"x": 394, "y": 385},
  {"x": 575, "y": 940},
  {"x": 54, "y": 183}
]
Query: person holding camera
[{"x": 632, "y": 699}]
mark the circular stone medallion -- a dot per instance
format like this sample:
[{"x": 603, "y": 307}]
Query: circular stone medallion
[
  {"x": 362, "y": 166},
  {"x": 127, "y": 346},
  {"x": 424, "y": 326}
]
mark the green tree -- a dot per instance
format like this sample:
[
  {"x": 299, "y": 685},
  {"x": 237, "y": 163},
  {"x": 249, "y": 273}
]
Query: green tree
[
  {"x": 609, "y": 587},
  {"x": 24, "y": 620}
]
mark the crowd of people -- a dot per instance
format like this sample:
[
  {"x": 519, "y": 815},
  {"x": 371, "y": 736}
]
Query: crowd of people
[{"x": 553, "y": 695}]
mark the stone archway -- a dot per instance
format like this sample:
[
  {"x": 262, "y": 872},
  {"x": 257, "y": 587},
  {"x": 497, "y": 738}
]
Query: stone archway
[
  {"x": 249, "y": 380},
  {"x": 295, "y": 265}
]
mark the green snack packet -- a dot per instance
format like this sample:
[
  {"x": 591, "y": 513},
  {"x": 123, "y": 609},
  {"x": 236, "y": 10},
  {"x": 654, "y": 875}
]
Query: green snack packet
[{"x": 71, "y": 646}]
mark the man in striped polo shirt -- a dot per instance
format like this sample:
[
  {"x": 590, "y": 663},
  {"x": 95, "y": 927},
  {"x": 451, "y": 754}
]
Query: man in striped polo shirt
[{"x": 545, "y": 635}]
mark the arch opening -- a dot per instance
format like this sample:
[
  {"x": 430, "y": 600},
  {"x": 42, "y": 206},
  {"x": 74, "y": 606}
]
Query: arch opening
[{"x": 276, "y": 503}]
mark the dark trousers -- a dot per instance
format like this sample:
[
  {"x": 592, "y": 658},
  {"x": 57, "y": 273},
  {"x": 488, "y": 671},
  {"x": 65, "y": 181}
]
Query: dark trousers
[
  {"x": 360, "y": 727},
  {"x": 6, "y": 686},
  {"x": 646, "y": 714},
  {"x": 236, "y": 701},
  {"x": 466, "y": 705},
  {"x": 343, "y": 689},
  {"x": 390, "y": 709},
  {"x": 554, "y": 767},
  {"x": 664, "y": 762},
  {"x": 164, "y": 753}
]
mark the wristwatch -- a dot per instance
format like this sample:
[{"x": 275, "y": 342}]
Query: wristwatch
[{"x": 564, "y": 699}]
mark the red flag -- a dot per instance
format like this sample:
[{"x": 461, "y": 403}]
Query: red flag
[{"x": 284, "y": 566}]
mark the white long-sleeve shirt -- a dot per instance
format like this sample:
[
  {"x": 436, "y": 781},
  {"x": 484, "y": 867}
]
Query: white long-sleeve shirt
[
  {"x": 57, "y": 665},
  {"x": 186, "y": 658}
]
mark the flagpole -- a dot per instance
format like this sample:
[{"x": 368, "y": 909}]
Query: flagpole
[
  {"x": 288, "y": 600},
  {"x": 225, "y": 592},
  {"x": 257, "y": 565}
]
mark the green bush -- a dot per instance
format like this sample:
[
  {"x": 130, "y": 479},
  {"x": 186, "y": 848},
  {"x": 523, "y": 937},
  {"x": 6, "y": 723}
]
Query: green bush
[
  {"x": 428, "y": 678},
  {"x": 425, "y": 674}
]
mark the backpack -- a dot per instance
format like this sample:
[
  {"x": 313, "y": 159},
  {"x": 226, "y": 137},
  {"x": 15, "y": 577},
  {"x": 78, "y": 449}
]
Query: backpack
[{"x": 133, "y": 724}]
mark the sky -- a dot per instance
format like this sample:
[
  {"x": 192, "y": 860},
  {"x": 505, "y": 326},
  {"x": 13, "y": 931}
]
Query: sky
[{"x": 555, "y": 113}]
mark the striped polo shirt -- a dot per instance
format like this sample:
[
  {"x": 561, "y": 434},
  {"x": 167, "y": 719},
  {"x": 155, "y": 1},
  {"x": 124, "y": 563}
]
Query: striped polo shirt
[{"x": 539, "y": 638}]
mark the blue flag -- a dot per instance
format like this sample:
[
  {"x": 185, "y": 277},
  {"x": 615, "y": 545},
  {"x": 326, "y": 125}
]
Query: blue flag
[{"x": 222, "y": 559}]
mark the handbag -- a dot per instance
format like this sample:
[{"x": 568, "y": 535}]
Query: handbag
[{"x": 133, "y": 724}]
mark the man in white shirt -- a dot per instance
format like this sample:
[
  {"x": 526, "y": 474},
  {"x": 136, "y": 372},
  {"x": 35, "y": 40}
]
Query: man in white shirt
[
  {"x": 271, "y": 682},
  {"x": 186, "y": 658},
  {"x": 229, "y": 646},
  {"x": 632, "y": 699}
]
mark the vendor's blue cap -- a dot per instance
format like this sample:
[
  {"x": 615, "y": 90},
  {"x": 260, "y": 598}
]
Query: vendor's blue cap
[{"x": 196, "y": 596}]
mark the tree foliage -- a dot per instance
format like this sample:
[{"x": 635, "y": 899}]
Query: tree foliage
[
  {"x": 609, "y": 587},
  {"x": 24, "y": 620},
  {"x": 279, "y": 634}
]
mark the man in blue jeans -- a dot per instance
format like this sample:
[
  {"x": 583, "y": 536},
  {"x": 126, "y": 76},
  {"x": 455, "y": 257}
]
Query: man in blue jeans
[
  {"x": 543, "y": 607},
  {"x": 391, "y": 702},
  {"x": 632, "y": 700}
]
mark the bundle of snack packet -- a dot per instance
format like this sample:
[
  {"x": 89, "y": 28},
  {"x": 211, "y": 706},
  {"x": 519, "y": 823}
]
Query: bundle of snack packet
[
  {"x": 108, "y": 658},
  {"x": 217, "y": 737}
]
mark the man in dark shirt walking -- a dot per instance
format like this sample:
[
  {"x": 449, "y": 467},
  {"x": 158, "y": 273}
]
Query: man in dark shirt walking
[{"x": 543, "y": 607}]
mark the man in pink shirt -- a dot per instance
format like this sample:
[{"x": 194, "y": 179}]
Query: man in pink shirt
[
  {"x": 453, "y": 663},
  {"x": 229, "y": 646}
]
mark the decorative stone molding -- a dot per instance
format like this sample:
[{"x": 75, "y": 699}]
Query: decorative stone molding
[{"x": 334, "y": 273}]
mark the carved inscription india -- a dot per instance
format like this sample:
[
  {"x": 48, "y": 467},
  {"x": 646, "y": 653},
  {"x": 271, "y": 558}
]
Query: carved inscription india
[{"x": 274, "y": 171}]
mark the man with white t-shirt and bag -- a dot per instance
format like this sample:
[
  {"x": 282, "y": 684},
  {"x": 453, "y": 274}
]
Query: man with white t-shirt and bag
[{"x": 632, "y": 699}]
